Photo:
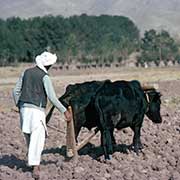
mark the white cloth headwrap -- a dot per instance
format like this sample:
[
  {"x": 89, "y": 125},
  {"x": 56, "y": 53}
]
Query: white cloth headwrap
[{"x": 45, "y": 59}]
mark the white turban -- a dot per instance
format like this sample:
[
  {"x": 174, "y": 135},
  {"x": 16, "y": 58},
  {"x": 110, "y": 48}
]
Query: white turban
[{"x": 45, "y": 59}]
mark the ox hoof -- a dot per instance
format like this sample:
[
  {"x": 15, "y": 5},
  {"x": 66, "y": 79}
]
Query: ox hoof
[
  {"x": 108, "y": 158},
  {"x": 135, "y": 149}
]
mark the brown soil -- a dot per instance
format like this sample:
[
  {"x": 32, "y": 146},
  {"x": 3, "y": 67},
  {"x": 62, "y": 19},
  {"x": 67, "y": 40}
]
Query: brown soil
[{"x": 159, "y": 160}]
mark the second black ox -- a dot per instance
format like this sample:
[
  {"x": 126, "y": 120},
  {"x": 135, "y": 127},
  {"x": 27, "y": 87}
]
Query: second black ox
[{"x": 108, "y": 105}]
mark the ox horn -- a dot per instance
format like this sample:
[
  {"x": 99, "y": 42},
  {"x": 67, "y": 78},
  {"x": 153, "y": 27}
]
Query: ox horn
[{"x": 149, "y": 86}]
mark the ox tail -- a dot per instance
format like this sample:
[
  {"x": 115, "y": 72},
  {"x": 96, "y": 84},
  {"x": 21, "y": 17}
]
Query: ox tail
[
  {"x": 49, "y": 114},
  {"x": 106, "y": 140}
]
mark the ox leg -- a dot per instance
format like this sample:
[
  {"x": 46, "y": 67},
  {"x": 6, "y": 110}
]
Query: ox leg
[
  {"x": 112, "y": 137},
  {"x": 77, "y": 130},
  {"x": 136, "y": 145},
  {"x": 106, "y": 143}
]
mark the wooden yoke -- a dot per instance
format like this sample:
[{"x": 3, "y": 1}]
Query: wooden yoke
[
  {"x": 71, "y": 150},
  {"x": 149, "y": 86}
]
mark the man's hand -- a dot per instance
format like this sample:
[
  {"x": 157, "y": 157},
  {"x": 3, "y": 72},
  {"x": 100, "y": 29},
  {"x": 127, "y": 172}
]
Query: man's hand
[
  {"x": 15, "y": 109},
  {"x": 68, "y": 116}
]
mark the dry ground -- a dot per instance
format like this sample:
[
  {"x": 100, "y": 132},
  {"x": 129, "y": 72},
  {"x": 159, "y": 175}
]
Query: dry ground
[{"x": 160, "y": 159}]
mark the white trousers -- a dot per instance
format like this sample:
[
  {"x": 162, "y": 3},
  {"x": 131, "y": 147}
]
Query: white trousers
[{"x": 33, "y": 126}]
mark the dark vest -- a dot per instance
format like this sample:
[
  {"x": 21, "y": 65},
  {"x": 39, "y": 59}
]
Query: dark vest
[{"x": 33, "y": 91}]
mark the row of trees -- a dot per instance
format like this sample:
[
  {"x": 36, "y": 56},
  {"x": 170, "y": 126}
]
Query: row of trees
[
  {"x": 158, "y": 47},
  {"x": 85, "y": 39},
  {"x": 76, "y": 37}
]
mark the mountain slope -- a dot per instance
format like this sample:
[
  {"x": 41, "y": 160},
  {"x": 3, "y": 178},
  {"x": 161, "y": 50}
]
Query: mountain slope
[{"x": 146, "y": 14}]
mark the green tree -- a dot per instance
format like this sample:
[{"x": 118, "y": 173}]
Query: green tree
[
  {"x": 99, "y": 37},
  {"x": 158, "y": 47}
]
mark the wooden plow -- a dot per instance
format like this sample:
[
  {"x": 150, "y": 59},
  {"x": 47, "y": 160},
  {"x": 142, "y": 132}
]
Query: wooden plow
[{"x": 71, "y": 146}]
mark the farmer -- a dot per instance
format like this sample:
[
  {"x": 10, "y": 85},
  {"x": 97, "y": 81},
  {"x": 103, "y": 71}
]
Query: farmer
[{"x": 30, "y": 96}]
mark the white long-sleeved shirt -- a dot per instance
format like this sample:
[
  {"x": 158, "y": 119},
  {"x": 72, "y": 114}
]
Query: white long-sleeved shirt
[{"x": 49, "y": 91}]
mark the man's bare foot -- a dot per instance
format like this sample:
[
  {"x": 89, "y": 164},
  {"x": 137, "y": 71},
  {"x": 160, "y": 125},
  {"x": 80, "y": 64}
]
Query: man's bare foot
[{"x": 36, "y": 172}]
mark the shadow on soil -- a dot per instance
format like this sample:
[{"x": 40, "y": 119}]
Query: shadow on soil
[
  {"x": 93, "y": 151},
  {"x": 13, "y": 162}
]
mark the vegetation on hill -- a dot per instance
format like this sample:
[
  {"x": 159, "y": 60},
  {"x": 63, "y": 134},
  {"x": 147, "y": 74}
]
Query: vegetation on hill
[
  {"x": 158, "y": 47},
  {"x": 84, "y": 39}
]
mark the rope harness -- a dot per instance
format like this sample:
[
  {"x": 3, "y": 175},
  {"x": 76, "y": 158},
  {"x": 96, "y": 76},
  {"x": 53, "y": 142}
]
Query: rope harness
[{"x": 147, "y": 99}]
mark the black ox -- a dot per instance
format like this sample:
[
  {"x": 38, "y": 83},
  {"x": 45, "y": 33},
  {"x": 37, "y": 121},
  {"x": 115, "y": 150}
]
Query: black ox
[{"x": 108, "y": 105}]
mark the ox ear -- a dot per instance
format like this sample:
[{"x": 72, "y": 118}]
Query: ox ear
[
  {"x": 159, "y": 94},
  {"x": 154, "y": 95}
]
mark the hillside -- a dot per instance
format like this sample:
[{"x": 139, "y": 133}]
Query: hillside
[{"x": 146, "y": 14}]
